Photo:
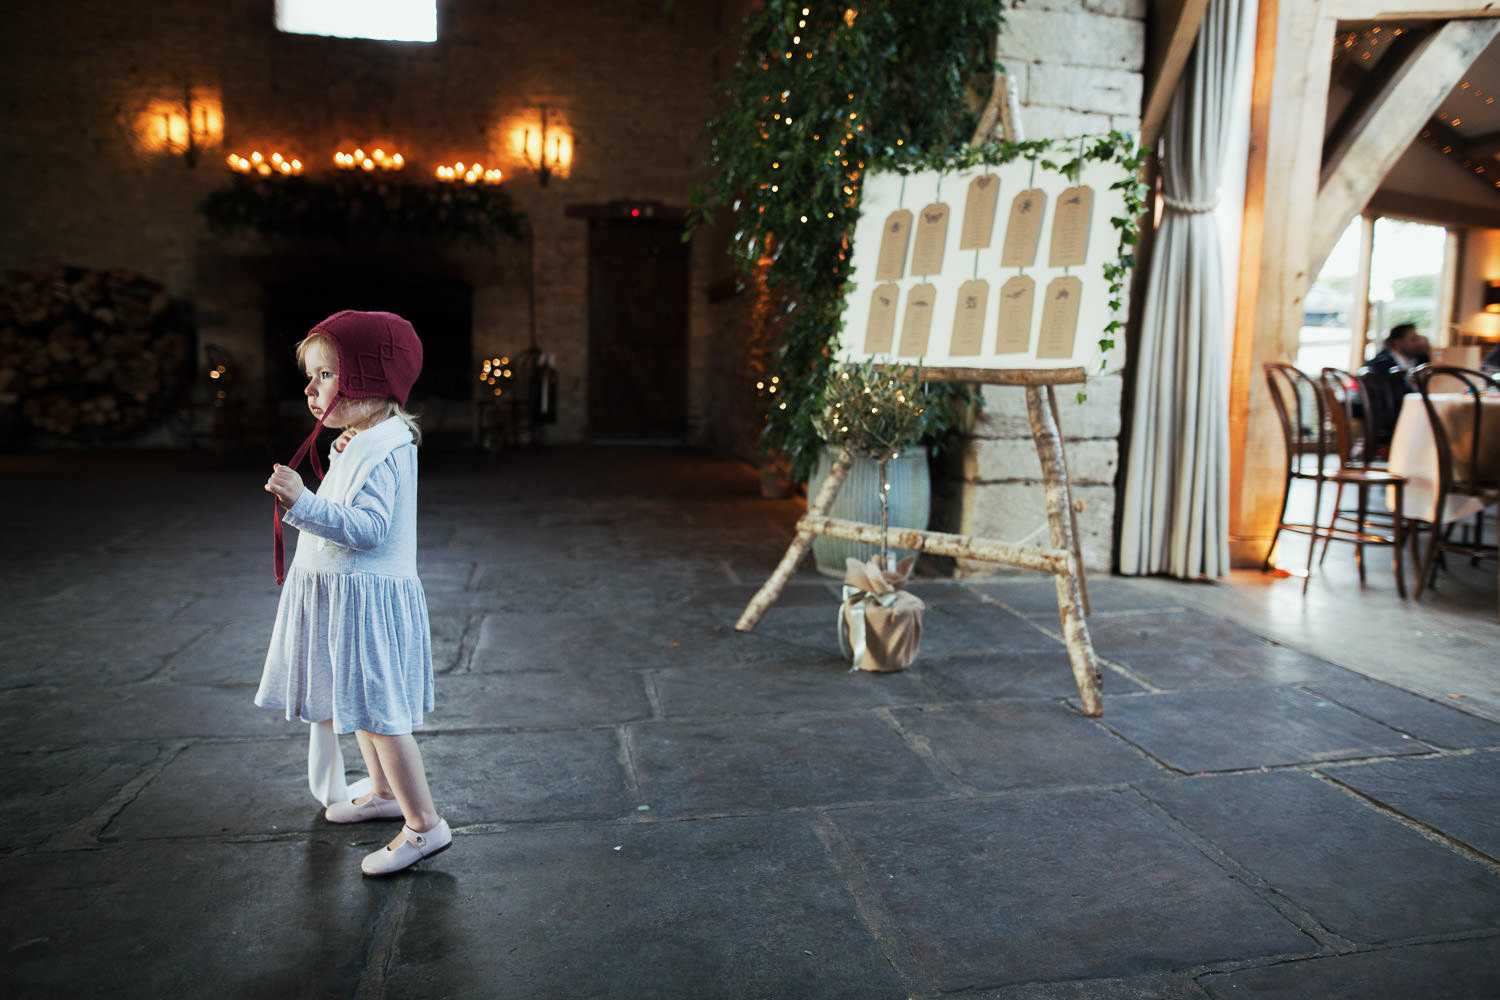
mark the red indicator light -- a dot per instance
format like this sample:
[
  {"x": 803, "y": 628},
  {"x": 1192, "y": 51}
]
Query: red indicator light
[{"x": 635, "y": 212}]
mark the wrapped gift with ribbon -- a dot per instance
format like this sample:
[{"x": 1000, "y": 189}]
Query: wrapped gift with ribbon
[{"x": 880, "y": 625}]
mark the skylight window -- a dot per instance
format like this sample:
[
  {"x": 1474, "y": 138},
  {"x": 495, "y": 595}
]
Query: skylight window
[{"x": 391, "y": 20}]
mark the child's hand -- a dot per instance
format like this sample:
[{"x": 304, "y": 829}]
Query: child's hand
[
  {"x": 285, "y": 483},
  {"x": 344, "y": 438}
]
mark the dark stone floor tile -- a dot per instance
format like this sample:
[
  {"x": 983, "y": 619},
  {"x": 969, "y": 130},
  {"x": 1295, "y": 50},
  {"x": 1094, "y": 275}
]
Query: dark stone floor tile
[
  {"x": 232, "y": 653},
  {"x": 1460, "y": 796},
  {"x": 539, "y": 699},
  {"x": 639, "y": 912},
  {"x": 526, "y": 777},
  {"x": 801, "y": 591},
  {"x": 995, "y": 628},
  {"x": 1360, "y": 874},
  {"x": 1118, "y": 634},
  {"x": 1173, "y": 985},
  {"x": 1034, "y": 674},
  {"x": 45, "y": 792},
  {"x": 231, "y": 790},
  {"x": 1054, "y": 886},
  {"x": 619, "y": 639},
  {"x": 133, "y": 713},
  {"x": 92, "y": 652},
  {"x": 447, "y": 575},
  {"x": 170, "y": 919},
  {"x": 1024, "y": 744},
  {"x": 1449, "y": 970},
  {"x": 1250, "y": 725},
  {"x": 1038, "y": 596},
  {"x": 251, "y": 610},
  {"x": 1431, "y": 722},
  {"x": 1174, "y": 668},
  {"x": 758, "y": 763},
  {"x": 827, "y": 685}
]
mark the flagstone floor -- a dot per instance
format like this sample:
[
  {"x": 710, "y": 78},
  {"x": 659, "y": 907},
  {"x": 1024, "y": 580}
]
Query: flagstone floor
[{"x": 648, "y": 803}]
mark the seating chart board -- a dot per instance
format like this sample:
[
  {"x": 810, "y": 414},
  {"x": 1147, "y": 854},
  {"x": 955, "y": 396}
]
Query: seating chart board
[{"x": 1037, "y": 261}]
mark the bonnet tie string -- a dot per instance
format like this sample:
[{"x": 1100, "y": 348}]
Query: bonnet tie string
[{"x": 310, "y": 450}]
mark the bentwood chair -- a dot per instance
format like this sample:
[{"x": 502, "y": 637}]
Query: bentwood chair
[
  {"x": 1460, "y": 456},
  {"x": 1349, "y": 412},
  {"x": 1310, "y": 438}
]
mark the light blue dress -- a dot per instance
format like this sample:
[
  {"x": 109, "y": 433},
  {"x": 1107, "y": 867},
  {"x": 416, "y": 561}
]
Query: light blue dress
[{"x": 352, "y": 642}]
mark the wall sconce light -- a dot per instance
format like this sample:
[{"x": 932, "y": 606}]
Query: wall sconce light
[
  {"x": 543, "y": 158},
  {"x": 1492, "y": 297},
  {"x": 182, "y": 128}
]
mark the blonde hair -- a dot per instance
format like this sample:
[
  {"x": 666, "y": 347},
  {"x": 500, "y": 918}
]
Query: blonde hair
[{"x": 372, "y": 409}]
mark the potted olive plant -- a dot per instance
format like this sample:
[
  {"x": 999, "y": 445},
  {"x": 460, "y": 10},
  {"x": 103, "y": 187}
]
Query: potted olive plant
[{"x": 881, "y": 416}]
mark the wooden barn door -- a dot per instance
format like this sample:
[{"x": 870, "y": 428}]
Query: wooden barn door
[{"x": 638, "y": 332}]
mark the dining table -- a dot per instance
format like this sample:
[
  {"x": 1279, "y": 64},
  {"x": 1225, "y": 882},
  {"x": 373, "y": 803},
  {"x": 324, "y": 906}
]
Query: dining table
[{"x": 1414, "y": 453}]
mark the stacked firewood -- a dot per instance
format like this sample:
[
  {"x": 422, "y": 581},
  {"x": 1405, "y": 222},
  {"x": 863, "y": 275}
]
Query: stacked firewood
[{"x": 92, "y": 355}]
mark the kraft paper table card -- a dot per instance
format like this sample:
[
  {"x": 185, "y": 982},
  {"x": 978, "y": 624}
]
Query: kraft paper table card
[
  {"x": 1017, "y": 298},
  {"x": 979, "y": 213},
  {"x": 1059, "y": 318},
  {"x": 1070, "y": 227},
  {"x": 880, "y": 330},
  {"x": 932, "y": 233},
  {"x": 1024, "y": 228},
  {"x": 968, "y": 318},
  {"x": 916, "y": 327},
  {"x": 891, "y": 264}
]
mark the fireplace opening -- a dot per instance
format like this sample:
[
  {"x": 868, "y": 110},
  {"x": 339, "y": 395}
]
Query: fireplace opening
[{"x": 441, "y": 310}]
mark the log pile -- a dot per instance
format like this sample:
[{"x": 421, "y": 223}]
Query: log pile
[{"x": 92, "y": 355}]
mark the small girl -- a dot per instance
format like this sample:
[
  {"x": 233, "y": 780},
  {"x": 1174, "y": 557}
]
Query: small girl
[{"x": 352, "y": 648}]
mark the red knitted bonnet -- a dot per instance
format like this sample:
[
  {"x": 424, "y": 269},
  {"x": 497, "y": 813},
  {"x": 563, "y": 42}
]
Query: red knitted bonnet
[{"x": 379, "y": 354}]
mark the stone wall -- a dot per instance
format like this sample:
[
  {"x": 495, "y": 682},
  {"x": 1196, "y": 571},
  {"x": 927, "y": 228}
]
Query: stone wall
[
  {"x": 86, "y": 185},
  {"x": 1077, "y": 65}
]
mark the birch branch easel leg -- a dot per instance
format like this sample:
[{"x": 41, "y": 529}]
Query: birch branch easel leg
[
  {"x": 1067, "y": 481},
  {"x": 1060, "y": 526},
  {"x": 772, "y": 588}
]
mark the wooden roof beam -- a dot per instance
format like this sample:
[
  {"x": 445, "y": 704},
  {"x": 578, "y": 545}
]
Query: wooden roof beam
[
  {"x": 1392, "y": 120},
  {"x": 1371, "y": 85}
]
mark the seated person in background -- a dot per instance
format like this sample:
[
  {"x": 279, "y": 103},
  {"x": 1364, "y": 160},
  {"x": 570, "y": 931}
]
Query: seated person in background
[
  {"x": 1491, "y": 360},
  {"x": 1386, "y": 380},
  {"x": 1403, "y": 350}
]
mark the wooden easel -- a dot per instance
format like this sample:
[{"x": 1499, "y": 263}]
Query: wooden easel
[{"x": 1063, "y": 559}]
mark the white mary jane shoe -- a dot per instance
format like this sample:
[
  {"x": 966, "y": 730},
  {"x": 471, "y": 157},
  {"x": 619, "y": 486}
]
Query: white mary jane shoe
[
  {"x": 414, "y": 847},
  {"x": 359, "y": 812}
]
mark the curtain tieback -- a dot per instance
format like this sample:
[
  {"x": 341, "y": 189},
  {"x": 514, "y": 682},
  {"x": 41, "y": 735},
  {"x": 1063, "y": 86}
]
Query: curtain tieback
[{"x": 1190, "y": 207}]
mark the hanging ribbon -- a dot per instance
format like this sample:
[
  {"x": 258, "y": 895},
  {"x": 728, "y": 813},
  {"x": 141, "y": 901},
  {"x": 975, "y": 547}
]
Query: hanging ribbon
[
  {"x": 854, "y": 601},
  {"x": 308, "y": 449}
]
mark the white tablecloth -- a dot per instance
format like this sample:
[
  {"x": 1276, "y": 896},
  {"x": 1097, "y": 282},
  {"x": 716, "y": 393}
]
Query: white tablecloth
[{"x": 1414, "y": 452}]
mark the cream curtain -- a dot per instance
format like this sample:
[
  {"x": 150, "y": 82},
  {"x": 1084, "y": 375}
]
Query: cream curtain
[{"x": 1175, "y": 511}]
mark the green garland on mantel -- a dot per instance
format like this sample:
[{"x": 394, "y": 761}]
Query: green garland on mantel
[{"x": 363, "y": 204}]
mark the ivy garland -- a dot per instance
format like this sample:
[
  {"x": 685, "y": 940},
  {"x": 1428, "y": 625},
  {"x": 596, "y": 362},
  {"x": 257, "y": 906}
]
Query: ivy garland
[
  {"x": 820, "y": 91},
  {"x": 357, "y": 203}
]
